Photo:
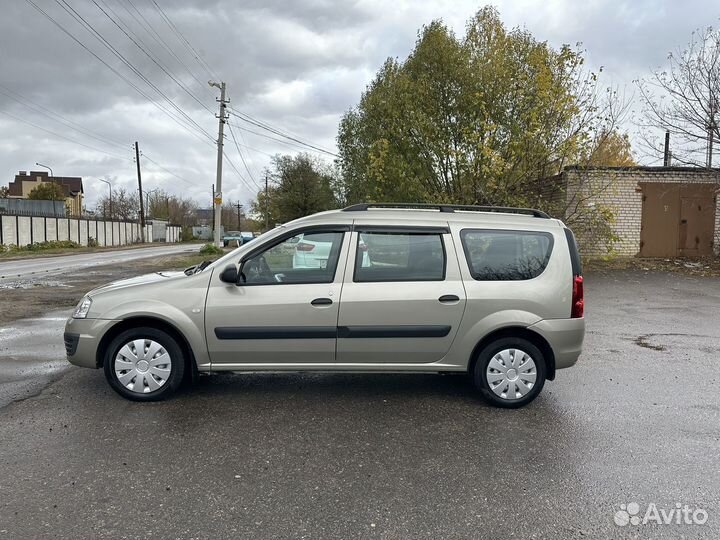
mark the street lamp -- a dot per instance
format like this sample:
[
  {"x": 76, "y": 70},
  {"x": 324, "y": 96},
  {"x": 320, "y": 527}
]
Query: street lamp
[
  {"x": 52, "y": 175},
  {"x": 110, "y": 186},
  {"x": 147, "y": 198}
]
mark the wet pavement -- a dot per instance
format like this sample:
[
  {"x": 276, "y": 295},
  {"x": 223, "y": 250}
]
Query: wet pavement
[
  {"x": 32, "y": 268},
  {"x": 31, "y": 355},
  {"x": 388, "y": 456}
]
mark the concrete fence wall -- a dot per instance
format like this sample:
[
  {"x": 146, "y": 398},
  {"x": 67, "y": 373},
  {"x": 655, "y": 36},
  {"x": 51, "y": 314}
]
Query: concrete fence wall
[{"x": 24, "y": 230}]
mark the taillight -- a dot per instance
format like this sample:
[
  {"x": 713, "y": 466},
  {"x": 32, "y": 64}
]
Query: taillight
[
  {"x": 303, "y": 246},
  {"x": 578, "y": 298}
]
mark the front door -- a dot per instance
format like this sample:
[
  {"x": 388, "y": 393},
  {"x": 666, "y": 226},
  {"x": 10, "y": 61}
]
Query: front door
[
  {"x": 403, "y": 297},
  {"x": 286, "y": 309}
]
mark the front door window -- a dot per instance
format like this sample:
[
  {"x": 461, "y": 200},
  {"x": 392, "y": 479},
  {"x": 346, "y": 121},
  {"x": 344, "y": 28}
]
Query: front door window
[{"x": 305, "y": 258}]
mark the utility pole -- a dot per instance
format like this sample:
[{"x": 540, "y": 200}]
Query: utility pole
[
  {"x": 213, "y": 198},
  {"x": 217, "y": 195},
  {"x": 711, "y": 131},
  {"x": 140, "y": 192},
  {"x": 267, "y": 203},
  {"x": 708, "y": 159},
  {"x": 666, "y": 156},
  {"x": 239, "y": 221}
]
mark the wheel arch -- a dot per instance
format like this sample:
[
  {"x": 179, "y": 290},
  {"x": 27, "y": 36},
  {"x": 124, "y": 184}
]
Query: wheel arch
[
  {"x": 522, "y": 332},
  {"x": 152, "y": 322}
]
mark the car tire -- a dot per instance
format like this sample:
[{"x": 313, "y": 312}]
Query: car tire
[
  {"x": 153, "y": 374},
  {"x": 510, "y": 372}
]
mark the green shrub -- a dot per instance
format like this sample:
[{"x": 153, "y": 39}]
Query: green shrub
[
  {"x": 92, "y": 242},
  {"x": 186, "y": 235},
  {"x": 43, "y": 246},
  {"x": 211, "y": 249}
]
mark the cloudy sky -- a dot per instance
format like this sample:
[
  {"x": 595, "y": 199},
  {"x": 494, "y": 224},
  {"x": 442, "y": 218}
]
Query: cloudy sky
[{"x": 295, "y": 65}]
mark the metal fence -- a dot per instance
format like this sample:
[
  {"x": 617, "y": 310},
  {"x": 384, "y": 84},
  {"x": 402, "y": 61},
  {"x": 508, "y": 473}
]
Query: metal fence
[{"x": 26, "y": 207}]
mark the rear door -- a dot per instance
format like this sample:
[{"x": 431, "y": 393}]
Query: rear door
[{"x": 403, "y": 297}]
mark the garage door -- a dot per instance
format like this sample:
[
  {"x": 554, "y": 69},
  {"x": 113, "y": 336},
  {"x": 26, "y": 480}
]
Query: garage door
[{"x": 677, "y": 219}]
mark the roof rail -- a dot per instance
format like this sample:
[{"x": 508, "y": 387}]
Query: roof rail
[{"x": 361, "y": 207}]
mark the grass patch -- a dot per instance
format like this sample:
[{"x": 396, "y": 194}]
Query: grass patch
[
  {"x": 39, "y": 246},
  {"x": 211, "y": 249}
]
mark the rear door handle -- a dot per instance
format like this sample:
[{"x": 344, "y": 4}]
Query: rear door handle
[
  {"x": 321, "y": 302},
  {"x": 449, "y": 298}
]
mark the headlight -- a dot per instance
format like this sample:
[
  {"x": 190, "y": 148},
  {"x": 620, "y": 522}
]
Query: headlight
[{"x": 82, "y": 308}]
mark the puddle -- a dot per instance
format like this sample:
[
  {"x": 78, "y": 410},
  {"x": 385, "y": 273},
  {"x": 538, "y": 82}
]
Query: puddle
[{"x": 642, "y": 341}]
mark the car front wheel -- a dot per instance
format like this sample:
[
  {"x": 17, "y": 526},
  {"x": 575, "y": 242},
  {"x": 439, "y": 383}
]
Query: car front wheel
[
  {"x": 510, "y": 372},
  {"x": 144, "y": 364}
]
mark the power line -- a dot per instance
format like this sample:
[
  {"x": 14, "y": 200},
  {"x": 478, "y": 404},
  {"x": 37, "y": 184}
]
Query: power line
[
  {"x": 151, "y": 57},
  {"x": 263, "y": 125},
  {"x": 89, "y": 27},
  {"x": 242, "y": 158},
  {"x": 290, "y": 144},
  {"x": 115, "y": 71},
  {"x": 111, "y": 68},
  {"x": 145, "y": 24},
  {"x": 237, "y": 171},
  {"x": 185, "y": 42},
  {"x": 36, "y": 107},
  {"x": 143, "y": 154},
  {"x": 117, "y": 156}
]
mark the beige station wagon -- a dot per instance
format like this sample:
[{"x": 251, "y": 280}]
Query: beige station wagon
[{"x": 491, "y": 291}]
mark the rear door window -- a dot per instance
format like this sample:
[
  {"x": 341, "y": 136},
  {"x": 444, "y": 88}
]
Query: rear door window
[
  {"x": 399, "y": 256},
  {"x": 494, "y": 255}
]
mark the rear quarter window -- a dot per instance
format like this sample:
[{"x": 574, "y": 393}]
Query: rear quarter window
[{"x": 494, "y": 255}]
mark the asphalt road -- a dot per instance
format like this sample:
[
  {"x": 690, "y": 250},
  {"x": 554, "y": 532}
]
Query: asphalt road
[
  {"x": 390, "y": 456},
  {"x": 37, "y": 267}
]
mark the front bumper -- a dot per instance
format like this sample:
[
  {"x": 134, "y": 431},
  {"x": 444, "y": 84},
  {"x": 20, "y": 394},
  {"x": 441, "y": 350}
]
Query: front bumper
[
  {"x": 82, "y": 338},
  {"x": 565, "y": 337}
]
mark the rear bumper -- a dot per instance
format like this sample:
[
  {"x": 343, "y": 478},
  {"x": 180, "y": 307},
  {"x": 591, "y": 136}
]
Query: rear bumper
[
  {"x": 565, "y": 337},
  {"x": 82, "y": 337}
]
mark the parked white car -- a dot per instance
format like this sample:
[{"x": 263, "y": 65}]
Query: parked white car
[{"x": 315, "y": 253}]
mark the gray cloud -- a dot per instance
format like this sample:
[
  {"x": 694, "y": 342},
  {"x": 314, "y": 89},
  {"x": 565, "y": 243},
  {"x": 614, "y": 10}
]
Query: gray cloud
[{"x": 295, "y": 64}]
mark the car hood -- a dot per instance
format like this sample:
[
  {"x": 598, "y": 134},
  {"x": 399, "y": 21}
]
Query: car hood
[{"x": 139, "y": 280}]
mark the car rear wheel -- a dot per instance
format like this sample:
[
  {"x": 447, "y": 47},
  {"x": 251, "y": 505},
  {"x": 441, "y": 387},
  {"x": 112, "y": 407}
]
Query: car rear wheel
[
  {"x": 510, "y": 372},
  {"x": 144, "y": 364}
]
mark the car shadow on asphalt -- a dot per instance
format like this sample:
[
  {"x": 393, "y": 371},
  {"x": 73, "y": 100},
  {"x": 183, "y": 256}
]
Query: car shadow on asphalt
[{"x": 356, "y": 388}]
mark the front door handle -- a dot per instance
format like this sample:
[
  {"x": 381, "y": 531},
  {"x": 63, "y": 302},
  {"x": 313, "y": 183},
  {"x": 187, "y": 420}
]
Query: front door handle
[
  {"x": 321, "y": 302},
  {"x": 449, "y": 298}
]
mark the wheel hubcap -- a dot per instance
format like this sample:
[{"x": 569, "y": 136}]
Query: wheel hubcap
[
  {"x": 142, "y": 366},
  {"x": 511, "y": 374}
]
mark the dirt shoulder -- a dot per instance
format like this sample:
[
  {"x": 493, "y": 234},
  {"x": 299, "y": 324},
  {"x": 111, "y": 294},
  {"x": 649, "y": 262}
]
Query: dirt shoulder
[
  {"x": 20, "y": 255},
  {"x": 691, "y": 267},
  {"x": 64, "y": 291}
]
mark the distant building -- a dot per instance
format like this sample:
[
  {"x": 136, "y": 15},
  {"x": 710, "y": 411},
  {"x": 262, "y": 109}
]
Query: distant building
[
  {"x": 204, "y": 216},
  {"x": 72, "y": 186}
]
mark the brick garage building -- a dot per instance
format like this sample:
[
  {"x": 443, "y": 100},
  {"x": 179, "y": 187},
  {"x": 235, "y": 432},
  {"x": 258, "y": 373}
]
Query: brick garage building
[{"x": 658, "y": 211}]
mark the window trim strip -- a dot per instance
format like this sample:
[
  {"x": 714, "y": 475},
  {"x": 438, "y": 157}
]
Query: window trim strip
[{"x": 425, "y": 231}]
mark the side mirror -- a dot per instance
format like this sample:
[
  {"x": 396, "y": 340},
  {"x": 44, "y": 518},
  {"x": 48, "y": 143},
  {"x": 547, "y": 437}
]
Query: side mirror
[{"x": 229, "y": 274}]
